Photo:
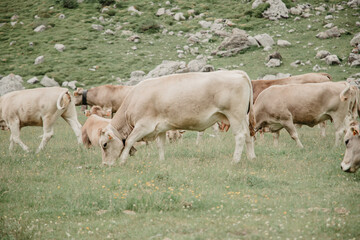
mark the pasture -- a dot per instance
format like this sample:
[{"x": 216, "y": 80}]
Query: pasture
[{"x": 196, "y": 193}]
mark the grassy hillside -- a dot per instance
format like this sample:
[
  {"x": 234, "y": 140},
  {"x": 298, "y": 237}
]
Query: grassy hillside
[{"x": 114, "y": 58}]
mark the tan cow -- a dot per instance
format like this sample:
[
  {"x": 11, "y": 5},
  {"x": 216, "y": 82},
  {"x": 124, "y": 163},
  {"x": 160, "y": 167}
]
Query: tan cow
[
  {"x": 351, "y": 161},
  {"x": 106, "y": 96},
  {"x": 174, "y": 135},
  {"x": 153, "y": 107},
  {"x": 97, "y": 110},
  {"x": 38, "y": 107},
  {"x": 90, "y": 130},
  {"x": 261, "y": 85},
  {"x": 306, "y": 104}
]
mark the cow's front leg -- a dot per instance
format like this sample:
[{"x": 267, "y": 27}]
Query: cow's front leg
[
  {"x": 160, "y": 143},
  {"x": 15, "y": 137},
  {"x": 138, "y": 133},
  {"x": 290, "y": 127}
]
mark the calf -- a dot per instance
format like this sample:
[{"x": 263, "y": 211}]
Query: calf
[
  {"x": 306, "y": 104},
  {"x": 351, "y": 161},
  {"x": 38, "y": 107}
]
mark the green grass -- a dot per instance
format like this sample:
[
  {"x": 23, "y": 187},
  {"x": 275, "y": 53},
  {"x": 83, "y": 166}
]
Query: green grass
[{"x": 196, "y": 193}]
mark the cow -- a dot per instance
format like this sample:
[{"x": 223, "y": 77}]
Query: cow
[
  {"x": 38, "y": 107},
  {"x": 106, "y": 96},
  {"x": 90, "y": 131},
  {"x": 261, "y": 85},
  {"x": 351, "y": 161},
  {"x": 187, "y": 101},
  {"x": 174, "y": 135},
  {"x": 97, "y": 110},
  {"x": 309, "y": 104}
]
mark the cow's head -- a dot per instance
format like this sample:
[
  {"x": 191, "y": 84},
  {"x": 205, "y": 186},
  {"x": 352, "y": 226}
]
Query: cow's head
[
  {"x": 351, "y": 161},
  {"x": 111, "y": 145},
  {"x": 78, "y": 96}
]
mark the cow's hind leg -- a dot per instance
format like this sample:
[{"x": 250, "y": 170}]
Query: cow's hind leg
[
  {"x": 276, "y": 136},
  {"x": 199, "y": 136},
  {"x": 70, "y": 116},
  {"x": 322, "y": 126},
  {"x": 290, "y": 127},
  {"x": 241, "y": 132},
  {"x": 15, "y": 136}
]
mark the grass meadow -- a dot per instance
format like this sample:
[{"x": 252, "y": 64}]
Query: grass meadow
[{"x": 196, "y": 193}]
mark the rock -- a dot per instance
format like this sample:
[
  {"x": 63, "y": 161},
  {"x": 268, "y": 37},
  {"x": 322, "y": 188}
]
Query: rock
[
  {"x": 273, "y": 63},
  {"x": 134, "y": 38},
  {"x": 207, "y": 68},
  {"x": 353, "y": 3},
  {"x": 11, "y": 83},
  {"x": 160, "y": 12},
  {"x": 62, "y": 16},
  {"x": 134, "y": 11},
  {"x": 109, "y": 32},
  {"x": 33, "y": 80},
  {"x": 354, "y": 59},
  {"x": 267, "y": 48},
  {"x": 205, "y": 24},
  {"x": 232, "y": 45},
  {"x": 355, "y": 41},
  {"x": 264, "y": 39},
  {"x": 167, "y": 68},
  {"x": 14, "y": 17},
  {"x": 275, "y": 55},
  {"x": 297, "y": 63},
  {"x": 329, "y": 25},
  {"x": 283, "y": 43},
  {"x": 179, "y": 16},
  {"x": 322, "y": 54},
  {"x": 333, "y": 32},
  {"x": 72, "y": 84},
  {"x": 329, "y": 17},
  {"x": 48, "y": 82},
  {"x": 39, "y": 60},
  {"x": 296, "y": 11},
  {"x": 276, "y": 10},
  {"x": 60, "y": 47},
  {"x": 222, "y": 33},
  {"x": 40, "y": 28},
  {"x": 253, "y": 41},
  {"x": 332, "y": 60},
  {"x": 97, "y": 27},
  {"x": 196, "y": 65},
  {"x": 137, "y": 76},
  {"x": 193, "y": 39}
]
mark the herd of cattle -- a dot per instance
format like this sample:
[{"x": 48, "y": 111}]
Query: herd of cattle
[{"x": 166, "y": 106}]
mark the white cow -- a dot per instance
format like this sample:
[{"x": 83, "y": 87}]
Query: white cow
[
  {"x": 38, "y": 107},
  {"x": 308, "y": 104},
  {"x": 190, "y": 101},
  {"x": 351, "y": 161}
]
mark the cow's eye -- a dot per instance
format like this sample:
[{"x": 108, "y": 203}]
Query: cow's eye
[
  {"x": 346, "y": 142},
  {"x": 104, "y": 145}
]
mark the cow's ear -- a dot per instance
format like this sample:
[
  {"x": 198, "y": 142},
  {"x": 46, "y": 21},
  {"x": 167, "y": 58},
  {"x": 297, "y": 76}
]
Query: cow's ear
[
  {"x": 355, "y": 130},
  {"x": 100, "y": 131},
  {"x": 78, "y": 92}
]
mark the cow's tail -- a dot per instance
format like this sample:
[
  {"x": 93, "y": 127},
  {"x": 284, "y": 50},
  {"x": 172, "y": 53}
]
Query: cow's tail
[
  {"x": 65, "y": 98},
  {"x": 328, "y": 76},
  {"x": 251, "y": 114}
]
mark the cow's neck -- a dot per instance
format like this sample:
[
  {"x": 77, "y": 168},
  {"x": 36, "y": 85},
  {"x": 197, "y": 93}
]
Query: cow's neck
[{"x": 121, "y": 124}]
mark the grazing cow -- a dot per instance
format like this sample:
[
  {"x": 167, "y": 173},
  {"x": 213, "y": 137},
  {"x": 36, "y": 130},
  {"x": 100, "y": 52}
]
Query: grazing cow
[
  {"x": 306, "y": 104},
  {"x": 174, "y": 135},
  {"x": 97, "y": 110},
  {"x": 90, "y": 131},
  {"x": 106, "y": 96},
  {"x": 186, "y": 101},
  {"x": 38, "y": 107},
  {"x": 261, "y": 85},
  {"x": 351, "y": 161}
]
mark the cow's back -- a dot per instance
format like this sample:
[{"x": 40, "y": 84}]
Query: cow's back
[{"x": 30, "y": 105}]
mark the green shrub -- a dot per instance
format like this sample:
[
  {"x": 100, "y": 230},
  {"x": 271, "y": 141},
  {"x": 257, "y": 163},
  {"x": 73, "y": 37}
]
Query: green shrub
[
  {"x": 71, "y": 4},
  {"x": 111, "y": 12},
  {"x": 106, "y": 2},
  {"x": 147, "y": 26}
]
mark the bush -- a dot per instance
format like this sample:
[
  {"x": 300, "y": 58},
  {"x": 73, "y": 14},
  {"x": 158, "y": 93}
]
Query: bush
[
  {"x": 71, "y": 4},
  {"x": 148, "y": 26},
  {"x": 106, "y": 2}
]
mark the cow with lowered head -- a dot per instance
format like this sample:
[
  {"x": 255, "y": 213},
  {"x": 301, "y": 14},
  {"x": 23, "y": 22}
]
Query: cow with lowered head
[
  {"x": 186, "y": 101},
  {"x": 351, "y": 161}
]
